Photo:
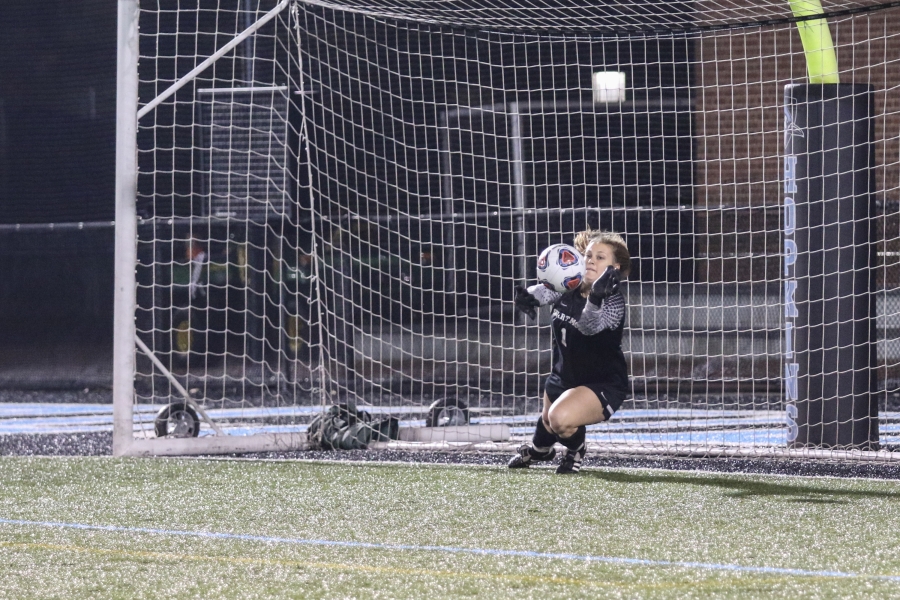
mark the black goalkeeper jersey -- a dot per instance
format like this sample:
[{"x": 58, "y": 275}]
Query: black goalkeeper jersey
[{"x": 580, "y": 359}]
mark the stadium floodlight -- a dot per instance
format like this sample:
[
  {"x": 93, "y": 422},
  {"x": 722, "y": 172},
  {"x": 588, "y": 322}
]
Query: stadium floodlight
[
  {"x": 330, "y": 203},
  {"x": 609, "y": 86}
]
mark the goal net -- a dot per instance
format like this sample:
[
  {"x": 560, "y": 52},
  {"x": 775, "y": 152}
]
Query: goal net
[{"x": 335, "y": 200}]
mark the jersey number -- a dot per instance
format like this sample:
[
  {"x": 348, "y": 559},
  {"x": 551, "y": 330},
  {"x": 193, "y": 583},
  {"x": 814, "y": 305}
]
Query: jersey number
[{"x": 562, "y": 338}]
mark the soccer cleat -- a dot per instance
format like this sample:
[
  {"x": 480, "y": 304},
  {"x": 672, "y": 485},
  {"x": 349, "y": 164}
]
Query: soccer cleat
[
  {"x": 527, "y": 455},
  {"x": 571, "y": 462}
]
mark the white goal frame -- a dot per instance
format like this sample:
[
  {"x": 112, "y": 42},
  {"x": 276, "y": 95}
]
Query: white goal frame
[
  {"x": 127, "y": 344},
  {"x": 125, "y": 339}
]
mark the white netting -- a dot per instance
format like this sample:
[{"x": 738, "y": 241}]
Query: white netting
[
  {"x": 338, "y": 209},
  {"x": 586, "y": 16}
]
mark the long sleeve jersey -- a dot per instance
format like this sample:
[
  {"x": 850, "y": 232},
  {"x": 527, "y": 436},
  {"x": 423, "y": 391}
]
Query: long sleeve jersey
[{"x": 587, "y": 339}]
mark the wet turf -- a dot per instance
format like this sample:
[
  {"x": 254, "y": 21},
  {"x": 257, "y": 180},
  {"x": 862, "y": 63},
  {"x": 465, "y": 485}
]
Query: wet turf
[{"x": 103, "y": 527}]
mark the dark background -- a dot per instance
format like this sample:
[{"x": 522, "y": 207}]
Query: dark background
[
  {"x": 57, "y": 165},
  {"x": 57, "y": 111}
]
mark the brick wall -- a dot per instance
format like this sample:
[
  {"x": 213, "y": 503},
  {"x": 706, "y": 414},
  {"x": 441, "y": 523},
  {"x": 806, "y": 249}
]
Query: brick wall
[{"x": 739, "y": 81}]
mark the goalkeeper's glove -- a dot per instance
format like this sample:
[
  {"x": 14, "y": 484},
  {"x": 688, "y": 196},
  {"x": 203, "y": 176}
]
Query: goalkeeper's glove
[
  {"x": 526, "y": 303},
  {"x": 605, "y": 286}
]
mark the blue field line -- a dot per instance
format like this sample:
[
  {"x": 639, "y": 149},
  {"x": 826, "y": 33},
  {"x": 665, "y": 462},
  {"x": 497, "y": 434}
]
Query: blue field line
[
  {"x": 728, "y": 437},
  {"x": 666, "y": 414},
  {"x": 693, "y": 423},
  {"x": 57, "y": 430},
  {"x": 10, "y": 410},
  {"x": 634, "y": 426},
  {"x": 295, "y": 411},
  {"x": 456, "y": 550},
  {"x": 82, "y": 428},
  {"x": 243, "y": 430},
  {"x": 42, "y": 426},
  {"x": 689, "y": 413},
  {"x": 756, "y": 437},
  {"x": 626, "y": 417},
  {"x": 35, "y": 409},
  {"x": 715, "y": 438}
]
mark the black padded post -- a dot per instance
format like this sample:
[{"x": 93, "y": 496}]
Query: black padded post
[{"x": 830, "y": 350}]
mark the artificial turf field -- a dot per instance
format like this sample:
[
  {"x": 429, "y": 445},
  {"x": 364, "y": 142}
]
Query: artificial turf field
[{"x": 162, "y": 528}]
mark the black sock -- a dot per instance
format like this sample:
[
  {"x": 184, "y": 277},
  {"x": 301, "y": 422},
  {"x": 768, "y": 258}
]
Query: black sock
[
  {"x": 543, "y": 440},
  {"x": 575, "y": 441}
]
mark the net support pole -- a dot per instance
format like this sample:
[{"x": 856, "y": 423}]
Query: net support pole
[
  {"x": 517, "y": 155},
  {"x": 126, "y": 225},
  {"x": 829, "y": 259},
  {"x": 192, "y": 74}
]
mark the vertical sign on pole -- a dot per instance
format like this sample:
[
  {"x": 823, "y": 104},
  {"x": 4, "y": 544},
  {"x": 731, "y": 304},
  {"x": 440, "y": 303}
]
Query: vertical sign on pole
[{"x": 829, "y": 301}]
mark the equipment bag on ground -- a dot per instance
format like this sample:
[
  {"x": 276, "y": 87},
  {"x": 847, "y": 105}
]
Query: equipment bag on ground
[{"x": 343, "y": 427}]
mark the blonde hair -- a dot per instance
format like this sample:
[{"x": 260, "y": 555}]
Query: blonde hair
[{"x": 612, "y": 239}]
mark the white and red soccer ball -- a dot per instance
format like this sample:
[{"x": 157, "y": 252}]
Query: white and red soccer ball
[{"x": 560, "y": 267}]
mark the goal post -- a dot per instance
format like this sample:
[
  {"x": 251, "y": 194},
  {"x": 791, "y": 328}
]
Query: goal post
[
  {"x": 126, "y": 339},
  {"x": 323, "y": 208},
  {"x": 126, "y": 224},
  {"x": 830, "y": 347}
]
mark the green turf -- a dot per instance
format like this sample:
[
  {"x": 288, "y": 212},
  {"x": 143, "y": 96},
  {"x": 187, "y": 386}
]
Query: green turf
[{"x": 841, "y": 525}]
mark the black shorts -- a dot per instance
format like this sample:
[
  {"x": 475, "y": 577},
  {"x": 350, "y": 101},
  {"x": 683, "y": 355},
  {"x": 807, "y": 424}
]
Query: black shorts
[{"x": 611, "y": 397}]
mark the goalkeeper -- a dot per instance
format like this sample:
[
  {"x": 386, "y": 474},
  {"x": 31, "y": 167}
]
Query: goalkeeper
[{"x": 589, "y": 380}]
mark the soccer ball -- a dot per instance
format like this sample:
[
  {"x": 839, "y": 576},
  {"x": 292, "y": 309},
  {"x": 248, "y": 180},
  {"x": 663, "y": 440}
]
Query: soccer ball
[{"x": 560, "y": 267}]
